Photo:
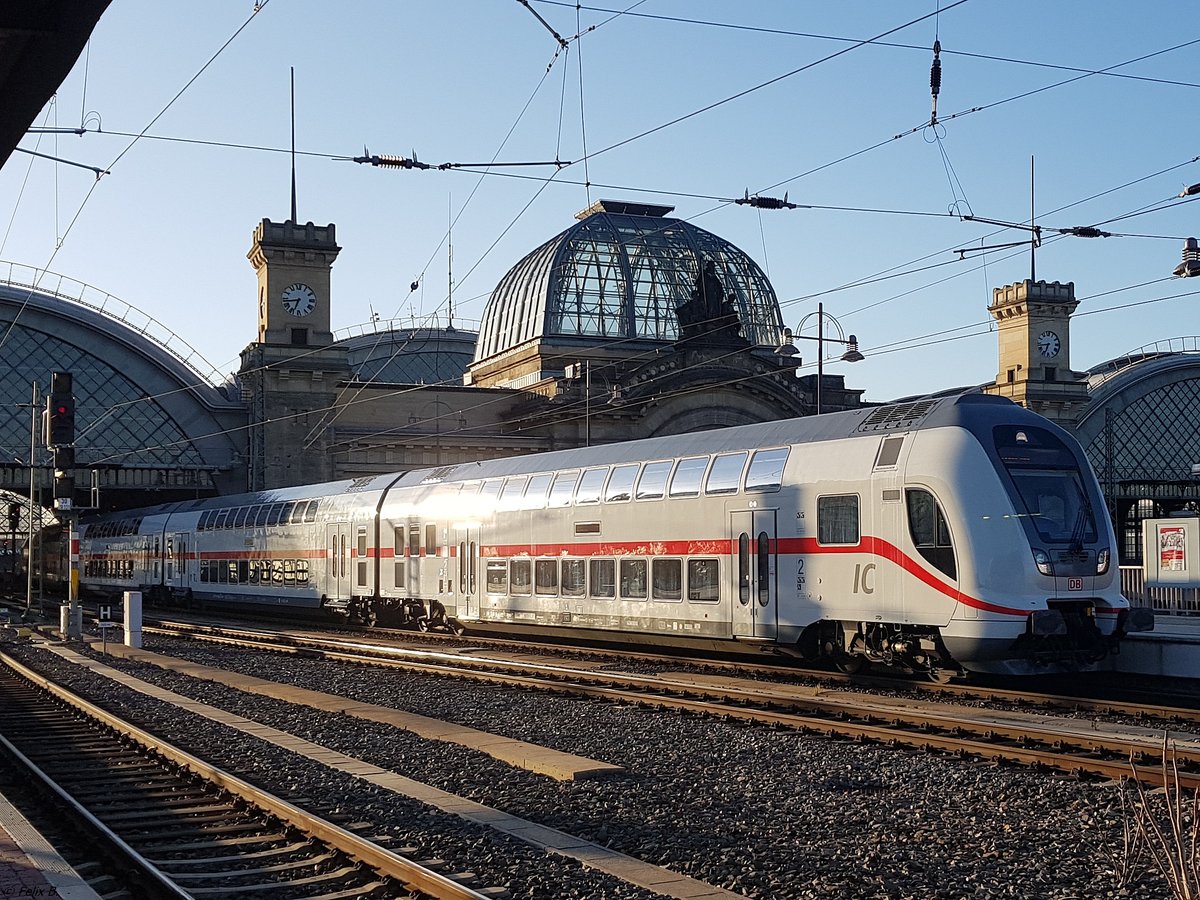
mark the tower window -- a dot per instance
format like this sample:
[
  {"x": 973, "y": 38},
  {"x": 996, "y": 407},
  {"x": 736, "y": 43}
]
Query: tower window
[
  {"x": 299, "y": 337},
  {"x": 1051, "y": 373},
  {"x": 1012, "y": 375}
]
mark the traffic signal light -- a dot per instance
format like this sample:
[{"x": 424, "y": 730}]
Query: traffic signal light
[
  {"x": 14, "y": 517},
  {"x": 60, "y": 412}
]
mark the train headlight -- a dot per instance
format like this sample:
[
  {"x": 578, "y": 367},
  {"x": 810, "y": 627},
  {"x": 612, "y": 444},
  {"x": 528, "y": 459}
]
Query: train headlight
[
  {"x": 1042, "y": 559},
  {"x": 1102, "y": 561}
]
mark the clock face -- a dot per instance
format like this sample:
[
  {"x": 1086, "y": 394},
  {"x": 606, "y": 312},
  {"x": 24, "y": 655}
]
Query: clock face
[
  {"x": 299, "y": 299},
  {"x": 1048, "y": 344}
]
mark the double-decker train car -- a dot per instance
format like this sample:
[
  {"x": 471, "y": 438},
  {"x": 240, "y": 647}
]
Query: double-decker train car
[{"x": 950, "y": 534}]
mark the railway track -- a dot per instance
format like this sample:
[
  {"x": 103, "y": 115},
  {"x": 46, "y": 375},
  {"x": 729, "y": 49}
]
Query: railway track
[
  {"x": 182, "y": 828},
  {"x": 1074, "y": 746}
]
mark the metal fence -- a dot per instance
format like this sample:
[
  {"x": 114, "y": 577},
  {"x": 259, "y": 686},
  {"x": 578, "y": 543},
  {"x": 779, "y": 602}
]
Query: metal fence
[{"x": 1175, "y": 601}]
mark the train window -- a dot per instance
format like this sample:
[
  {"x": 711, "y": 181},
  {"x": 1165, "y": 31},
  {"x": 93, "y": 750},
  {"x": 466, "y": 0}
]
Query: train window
[
  {"x": 205, "y": 518},
  {"x": 519, "y": 576},
  {"x": 472, "y": 571},
  {"x": 496, "y": 576},
  {"x": 310, "y": 512},
  {"x": 220, "y": 522},
  {"x": 603, "y": 576},
  {"x": 889, "y": 452},
  {"x": 302, "y": 571},
  {"x": 535, "y": 494},
  {"x": 223, "y": 572},
  {"x": 590, "y": 485},
  {"x": 704, "y": 586},
  {"x": 689, "y": 473},
  {"x": 277, "y": 571},
  {"x": 764, "y": 569},
  {"x": 514, "y": 489},
  {"x": 243, "y": 571},
  {"x": 653, "y": 481},
  {"x": 668, "y": 579},
  {"x": 725, "y": 476},
  {"x": 361, "y": 573},
  {"x": 289, "y": 509},
  {"x": 929, "y": 531},
  {"x": 563, "y": 489},
  {"x": 205, "y": 571},
  {"x": 633, "y": 579},
  {"x": 837, "y": 519},
  {"x": 239, "y": 516},
  {"x": 489, "y": 493},
  {"x": 252, "y": 574},
  {"x": 275, "y": 514},
  {"x": 414, "y": 539},
  {"x": 297, "y": 516},
  {"x": 546, "y": 577},
  {"x": 362, "y": 541},
  {"x": 743, "y": 568},
  {"x": 766, "y": 470},
  {"x": 620, "y": 483},
  {"x": 431, "y": 542},
  {"x": 573, "y": 578},
  {"x": 261, "y": 512},
  {"x": 398, "y": 541},
  {"x": 398, "y": 574}
]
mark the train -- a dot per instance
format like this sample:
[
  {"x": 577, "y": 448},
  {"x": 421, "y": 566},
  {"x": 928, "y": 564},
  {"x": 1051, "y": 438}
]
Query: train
[{"x": 944, "y": 536}]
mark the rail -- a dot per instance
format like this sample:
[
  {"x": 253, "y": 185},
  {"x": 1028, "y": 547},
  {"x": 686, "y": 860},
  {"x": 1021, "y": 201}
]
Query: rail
[{"x": 1174, "y": 601}]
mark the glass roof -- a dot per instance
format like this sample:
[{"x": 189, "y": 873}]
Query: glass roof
[{"x": 624, "y": 271}]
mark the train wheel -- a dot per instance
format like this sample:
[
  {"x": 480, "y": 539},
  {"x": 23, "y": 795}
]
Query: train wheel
[
  {"x": 456, "y": 627},
  {"x": 850, "y": 663},
  {"x": 421, "y": 624}
]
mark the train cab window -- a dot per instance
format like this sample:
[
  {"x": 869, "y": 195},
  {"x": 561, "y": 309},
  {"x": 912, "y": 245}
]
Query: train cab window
[
  {"x": 545, "y": 573},
  {"x": 239, "y": 516},
  {"x": 514, "y": 490},
  {"x": 766, "y": 470},
  {"x": 220, "y": 522},
  {"x": 573, "y": 578},
  {"x": 496, "y": 576},
  {"x": 668, "y": 579},
  {"x": 725, "y": 476},
  {"x": 535, "y": 493},
  {"x": 431, "y": 542},
  {"x": 929, "y": 531},
  {"x": 620, "y": 484},
  {"x": 591, "y": 485},
  {"x": 563, "y": 489},
  {"x": 703, "y": 584},
  {"x": 310, "y": 512},
  {"x": 414, "y": 539},
  {"x": 519, "y": 576},
  {"x": 653, "y": 481},
  {"x": 689, "y": 473},
  {"x": 837, "y": 519},
  {"x": 603, "y": 576},
  {"x": 261, "y": 513},
  {"x": 633, "y": 579}
]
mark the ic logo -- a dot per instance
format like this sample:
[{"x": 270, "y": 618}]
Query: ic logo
[{"x": 1074, "y": 584}]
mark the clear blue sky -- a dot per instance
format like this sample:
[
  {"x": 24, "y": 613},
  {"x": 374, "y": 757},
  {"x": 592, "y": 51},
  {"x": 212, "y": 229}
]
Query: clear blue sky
[{"x": 466, "y": 81}]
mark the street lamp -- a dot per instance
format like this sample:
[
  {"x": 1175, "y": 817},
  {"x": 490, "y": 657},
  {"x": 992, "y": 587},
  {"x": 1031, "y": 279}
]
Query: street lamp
[{"x": 852, "y": 353}]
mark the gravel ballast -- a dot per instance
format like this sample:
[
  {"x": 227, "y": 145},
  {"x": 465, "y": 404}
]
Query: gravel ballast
[{"x": 766, "y": 813}]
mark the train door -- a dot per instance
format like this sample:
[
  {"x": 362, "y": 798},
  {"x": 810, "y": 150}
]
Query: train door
[
  {"x": 880, "y": 582},
  {"x": 466, "y": 549},
  {"x": 754, "y": 571},
  {"x": 179, "y": 563},
  {"x": 337, "y": 561}
]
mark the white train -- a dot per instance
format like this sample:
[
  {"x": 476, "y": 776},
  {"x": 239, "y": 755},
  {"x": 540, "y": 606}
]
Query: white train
[{"x": 941, "y": 535}]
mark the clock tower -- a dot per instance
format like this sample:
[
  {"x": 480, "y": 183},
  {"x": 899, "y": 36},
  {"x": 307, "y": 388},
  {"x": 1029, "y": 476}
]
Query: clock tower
[
  {"x": 1034, "y": 319},
  {"x": 291, "y": 376}
]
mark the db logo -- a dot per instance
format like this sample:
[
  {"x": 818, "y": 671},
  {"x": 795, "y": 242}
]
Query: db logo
[{"x": 1074, "y": 584}]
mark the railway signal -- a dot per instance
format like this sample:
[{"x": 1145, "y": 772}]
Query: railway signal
[{"x": 59, "y": 421}]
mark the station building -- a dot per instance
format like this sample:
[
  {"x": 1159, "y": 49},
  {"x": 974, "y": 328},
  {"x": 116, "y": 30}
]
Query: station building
[{"x": 629, "y": 323}]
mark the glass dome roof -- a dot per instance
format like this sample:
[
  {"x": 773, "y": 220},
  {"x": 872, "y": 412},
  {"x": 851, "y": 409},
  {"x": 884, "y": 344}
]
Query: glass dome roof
[{"x": 625, "y": 271}]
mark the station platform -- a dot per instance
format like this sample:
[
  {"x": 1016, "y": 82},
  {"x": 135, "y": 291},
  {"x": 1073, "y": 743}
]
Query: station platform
[
  {"x": 1172, "y": 649},
  {"x": 30, "y": 867}
]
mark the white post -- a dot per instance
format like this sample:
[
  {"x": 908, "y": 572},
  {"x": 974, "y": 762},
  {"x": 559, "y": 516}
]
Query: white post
[{"x": 133, "y": 618}]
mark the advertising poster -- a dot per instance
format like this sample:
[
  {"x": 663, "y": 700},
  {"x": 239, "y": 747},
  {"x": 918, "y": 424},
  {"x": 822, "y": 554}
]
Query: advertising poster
[{"x": 1172, "y": 553}]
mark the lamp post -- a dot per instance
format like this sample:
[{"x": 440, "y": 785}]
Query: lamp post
[{"x": 852, "y": 353}]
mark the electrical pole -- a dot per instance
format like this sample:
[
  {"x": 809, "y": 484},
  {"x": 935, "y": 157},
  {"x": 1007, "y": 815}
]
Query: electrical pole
[{"x": 60, "y": 437}]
